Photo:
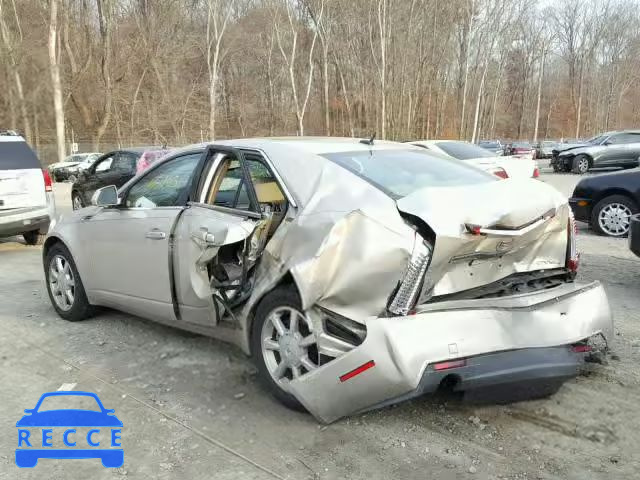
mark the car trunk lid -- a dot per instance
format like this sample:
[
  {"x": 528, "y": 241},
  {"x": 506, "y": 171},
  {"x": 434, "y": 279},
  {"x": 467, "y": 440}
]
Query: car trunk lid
[
  {"x": 488, "y": 231},
  {"x": 22, "y": 183}
]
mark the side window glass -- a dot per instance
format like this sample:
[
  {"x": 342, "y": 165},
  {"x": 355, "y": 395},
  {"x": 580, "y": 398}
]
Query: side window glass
[
  {"x": 230, "y": 186},
  {"x": 615, "y": 139},
  {"x": 104, "y": 165},
  {"x": 124, "y": 163},
  {"x": 165, "y": 185},
  {"x": 264, "y": 183}
]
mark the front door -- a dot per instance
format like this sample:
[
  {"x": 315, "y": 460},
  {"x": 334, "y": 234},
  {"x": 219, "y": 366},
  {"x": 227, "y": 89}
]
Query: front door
[
  {"x": 128, "y": 246},
  {"x": 220, "y": 238}
]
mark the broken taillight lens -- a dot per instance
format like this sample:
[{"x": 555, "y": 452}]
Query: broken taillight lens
[
  {"x": 573, "y": 257},
  {"x": 409, "y": 289},
  {"x": 500, "y": 172}
]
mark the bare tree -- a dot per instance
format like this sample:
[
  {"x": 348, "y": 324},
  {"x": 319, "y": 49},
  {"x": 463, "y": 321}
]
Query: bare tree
[{"x": 56, "y": 84}]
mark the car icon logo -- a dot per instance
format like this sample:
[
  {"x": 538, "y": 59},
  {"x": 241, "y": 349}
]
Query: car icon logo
[{"x": 68, "y": 433}]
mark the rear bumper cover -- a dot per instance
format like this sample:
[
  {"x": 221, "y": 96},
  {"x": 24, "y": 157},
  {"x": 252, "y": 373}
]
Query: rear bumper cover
[
  {"x": 25, "y": 221},
  {"x": 531, "y": 333}
]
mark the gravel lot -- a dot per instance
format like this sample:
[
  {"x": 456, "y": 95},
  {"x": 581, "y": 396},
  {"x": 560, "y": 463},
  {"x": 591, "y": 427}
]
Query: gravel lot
[{"x": 192, "y": 409}]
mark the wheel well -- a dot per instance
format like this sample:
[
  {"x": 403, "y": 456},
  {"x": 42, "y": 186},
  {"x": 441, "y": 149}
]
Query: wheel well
[
  {"x": 615, "y": 191},
  {"x": 49, "y": 243},
  {"x": 587, "y": 156}
]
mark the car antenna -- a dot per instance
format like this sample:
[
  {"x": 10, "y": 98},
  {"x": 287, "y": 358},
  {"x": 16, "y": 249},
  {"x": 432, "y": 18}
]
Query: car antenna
[{"x": 370, "y": 141}]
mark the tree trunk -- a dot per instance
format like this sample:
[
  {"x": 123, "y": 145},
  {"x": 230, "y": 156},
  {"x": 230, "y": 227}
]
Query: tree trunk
[
  {"x": 540, "y": 76},
  {"x": 56, "y": 85}
]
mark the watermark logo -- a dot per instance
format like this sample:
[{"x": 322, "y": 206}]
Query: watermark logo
[{"x": 53, "y": 430}]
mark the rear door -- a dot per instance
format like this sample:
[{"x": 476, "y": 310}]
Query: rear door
[{"x": 21, "y": 179}]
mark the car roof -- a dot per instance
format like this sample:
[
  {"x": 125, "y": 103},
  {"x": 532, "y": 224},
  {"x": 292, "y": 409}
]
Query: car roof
[{"x": 11, "y": 138}]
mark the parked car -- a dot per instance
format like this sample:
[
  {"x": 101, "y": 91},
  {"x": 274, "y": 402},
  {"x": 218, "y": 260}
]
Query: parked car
[
  {"x": 611, "y": 149},
  {"x": 503, "y": 167},
  {"x": 494, "y": 146},
  {"x": 356, "y": 273},
  {"x": 520, "y": 149},
  {"x": 113, "y": 168},
  {"x": 27, "y": 206},
  {"x": 69, "y": 169},
  {"x": 545, "y": 148},
  {"x": 607, "y": 201}
]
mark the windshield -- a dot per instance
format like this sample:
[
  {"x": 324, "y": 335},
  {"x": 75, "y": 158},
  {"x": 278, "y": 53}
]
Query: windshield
[
  {"x": 521, "y": 145},
  {"x": 486, "y": 144},
  {"x": 401, "y": 172},
  {"x": 463, "y": 151},
  {"x": 597, "y": 140}
]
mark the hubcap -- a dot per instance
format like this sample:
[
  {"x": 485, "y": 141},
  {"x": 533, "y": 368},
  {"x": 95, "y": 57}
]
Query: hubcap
[
  {"x": 614, "y": 219},
  {"x": 289, "y": 345},
  {"x": 61, "y": 282},
  {"x": 583, "y": 165}
]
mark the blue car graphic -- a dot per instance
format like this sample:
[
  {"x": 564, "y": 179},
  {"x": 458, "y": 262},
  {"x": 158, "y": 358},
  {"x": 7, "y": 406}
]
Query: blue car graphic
[{"x": 70, "y": 418}]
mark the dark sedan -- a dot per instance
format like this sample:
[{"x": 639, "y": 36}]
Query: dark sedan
[
  {"x": 113, "y": 168},
  {"x": 606, "y": 202}
]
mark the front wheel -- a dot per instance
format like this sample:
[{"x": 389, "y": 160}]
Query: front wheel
[
  {"x": 283, "y": 343},
  {"x": 611, "y": 215},
  {"x": 64, "y": 285},
  {"x": 580, "y": 164},
  {"x": 76, "y": 201}
]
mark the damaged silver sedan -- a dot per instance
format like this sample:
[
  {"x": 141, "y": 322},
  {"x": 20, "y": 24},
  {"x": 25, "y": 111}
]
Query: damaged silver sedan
[{"x": 357, "y": 274}]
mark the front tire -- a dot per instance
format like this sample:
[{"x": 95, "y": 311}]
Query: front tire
[
  {"x": 580, "y": 164},
  {"x": 611, "y": 215},
  {"x": 283, "y": 343},
  {"x": 76, "y": 201},
  {"x": 64, "y": 285},
  {"x": 33, "y": 238}
]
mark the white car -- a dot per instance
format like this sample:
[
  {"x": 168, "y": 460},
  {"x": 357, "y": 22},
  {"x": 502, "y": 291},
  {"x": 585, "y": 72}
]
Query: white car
[
  {"x": 26, "y": 198},
  {"x": 72, "y": 165},
  {"x": 505, "y": 167}
]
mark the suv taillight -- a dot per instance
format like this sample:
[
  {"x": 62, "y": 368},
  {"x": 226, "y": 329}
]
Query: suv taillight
[
  {"x": 48, "y": 187},
  {"x": 573, "y": 257},
  {"x": 536, "y": 173}
]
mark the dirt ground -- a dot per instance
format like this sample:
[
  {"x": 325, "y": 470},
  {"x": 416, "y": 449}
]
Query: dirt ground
[{"x": 192, "y": 409}]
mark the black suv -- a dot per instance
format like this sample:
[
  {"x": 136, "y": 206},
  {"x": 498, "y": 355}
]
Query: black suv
[
  {"x": 611, "y": 149},
  {"x": 113, "y": 168}
]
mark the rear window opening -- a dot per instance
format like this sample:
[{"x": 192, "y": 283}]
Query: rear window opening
[
  {"x": 17, "y": 155},
  {"x": 399, "y": 173}
]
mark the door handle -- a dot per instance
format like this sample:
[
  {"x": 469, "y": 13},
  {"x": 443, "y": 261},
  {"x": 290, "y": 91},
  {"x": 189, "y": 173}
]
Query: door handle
[
  {"x": 156, "y": 235},
  {"x": 204, "y": 237}
]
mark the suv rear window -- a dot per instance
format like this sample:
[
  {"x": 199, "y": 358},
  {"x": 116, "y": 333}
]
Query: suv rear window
[
  {"x": 399, "y": 173},
  {"x": 17, "y": 156}
]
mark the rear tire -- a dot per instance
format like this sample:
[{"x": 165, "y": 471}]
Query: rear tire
[
  {"x": 285, "y": 296},
  {"x": 580, "y": 164},
  {"x": 80, "y": 308},
  {"x": 34, "y": 237}
]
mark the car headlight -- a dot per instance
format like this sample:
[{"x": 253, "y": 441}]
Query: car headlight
[{"x": 408, "y": 291}]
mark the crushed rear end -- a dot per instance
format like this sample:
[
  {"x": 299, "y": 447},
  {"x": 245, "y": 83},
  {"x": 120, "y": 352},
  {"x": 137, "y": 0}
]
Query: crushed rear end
[{"x": 487, "y": 298}]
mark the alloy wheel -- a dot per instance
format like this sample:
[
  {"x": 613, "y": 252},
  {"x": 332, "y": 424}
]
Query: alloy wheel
[
  {"x": 77, "y": 202},
  {"x": 613, "y": 219},
  {"x": 583, "y": 165},
  {"x": 62, "y": 282},
  {"x": 288, "y": 344}
]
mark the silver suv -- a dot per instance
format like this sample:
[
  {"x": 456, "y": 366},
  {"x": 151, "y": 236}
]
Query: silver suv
[{"x": 26, "y": 196}]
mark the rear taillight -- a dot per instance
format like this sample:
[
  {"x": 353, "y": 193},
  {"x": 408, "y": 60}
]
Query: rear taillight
[
  {"x": 500, "y": 172},
  {"x": 536, "y": 172},
  {"x": 48, "y": 187},
  {"x": 450, "y": 364},
  {"x": 408, "y": 290},
  {"x": 573, "y": 257}
]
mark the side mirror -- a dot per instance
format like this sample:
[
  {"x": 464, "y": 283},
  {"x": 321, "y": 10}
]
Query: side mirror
[
  {"x": 607, "y": 143},
  {"x": 28, "y": 410},
  {"x": 105, "y": 196}
]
